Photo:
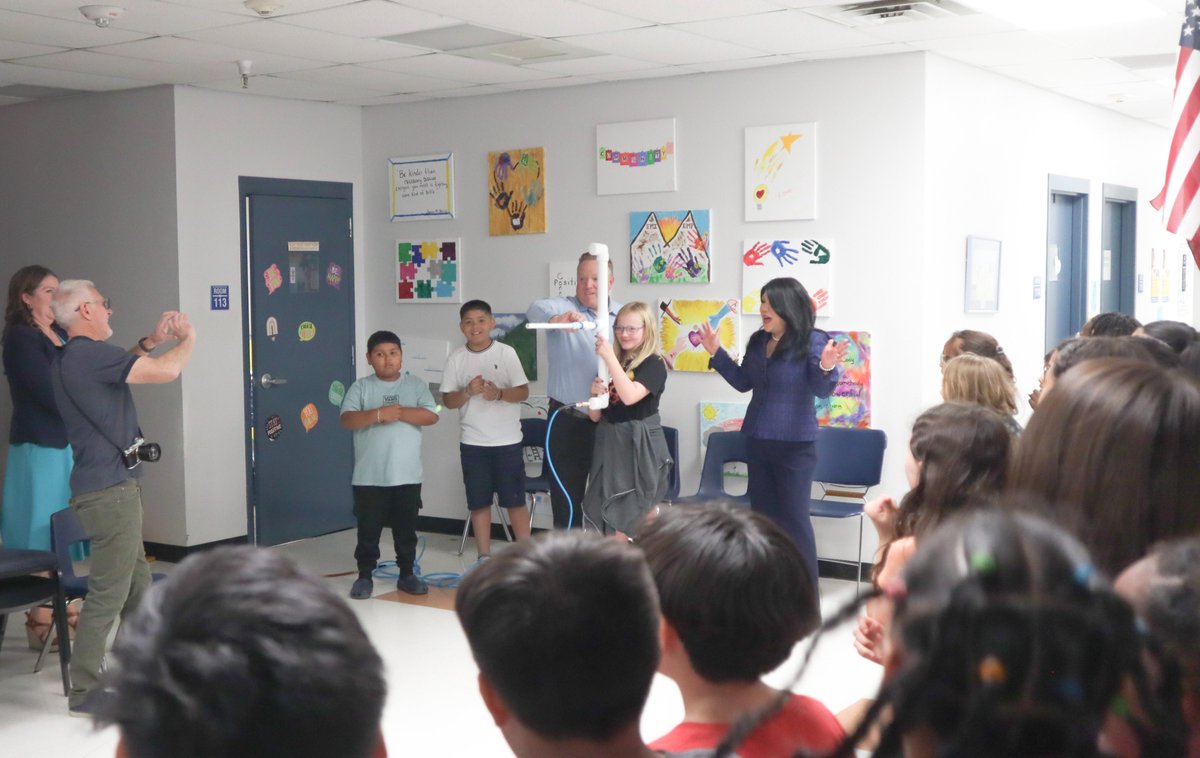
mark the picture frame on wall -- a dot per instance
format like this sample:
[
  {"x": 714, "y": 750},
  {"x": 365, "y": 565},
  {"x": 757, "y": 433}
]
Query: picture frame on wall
[{"x": 982, "y": 286}]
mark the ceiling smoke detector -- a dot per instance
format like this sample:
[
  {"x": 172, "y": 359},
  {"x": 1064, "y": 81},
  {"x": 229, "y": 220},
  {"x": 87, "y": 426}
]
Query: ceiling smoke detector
[
  {"x": 264, "y": 8},
  {"x": 102, "y": 15}
]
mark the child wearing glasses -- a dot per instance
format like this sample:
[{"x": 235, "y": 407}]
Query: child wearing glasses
[{"x": 631, "y": 465}]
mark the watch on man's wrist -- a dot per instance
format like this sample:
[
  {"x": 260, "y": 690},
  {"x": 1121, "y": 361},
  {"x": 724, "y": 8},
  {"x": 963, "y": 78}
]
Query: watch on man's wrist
[{"x": 142, "y": 346}]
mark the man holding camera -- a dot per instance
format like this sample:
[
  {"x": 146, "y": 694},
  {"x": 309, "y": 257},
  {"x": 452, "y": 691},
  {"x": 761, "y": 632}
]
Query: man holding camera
[{"x": 91, "y": 385}]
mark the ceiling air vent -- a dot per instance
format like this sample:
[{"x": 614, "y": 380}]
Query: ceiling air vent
[{"x": 879, "y": 12}]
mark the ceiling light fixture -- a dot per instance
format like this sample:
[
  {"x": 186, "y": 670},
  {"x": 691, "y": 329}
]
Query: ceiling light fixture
[
  {"x": 264, "y": 8},
  {"x": 102, "y": 15}
]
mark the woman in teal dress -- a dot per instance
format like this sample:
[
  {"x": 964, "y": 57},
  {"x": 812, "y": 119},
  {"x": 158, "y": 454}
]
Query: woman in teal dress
[{"x": 38, "y": 473}]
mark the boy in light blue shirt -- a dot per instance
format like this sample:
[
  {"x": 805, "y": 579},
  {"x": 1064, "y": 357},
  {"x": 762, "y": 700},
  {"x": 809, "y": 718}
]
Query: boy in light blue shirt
[{"x": 386, "y": 412}]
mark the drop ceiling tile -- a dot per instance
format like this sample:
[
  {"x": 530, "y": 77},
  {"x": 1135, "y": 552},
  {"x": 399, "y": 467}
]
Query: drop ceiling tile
[
  {"x": 384, "y": 100},
  {"x": 368, "y": 19},
  {"x": 117, "y": 66},
  {"x": 1053, "y": 74},
  {"x": 664, "y": 45},
  {"x": 179, "y": 50},
  {"x": 290, "y": 7},
  {"x": 1146, "y": 37},
  {"x": 273, "y": 86},
  {"x": 1158, "y": 113},
  {"x": 596, "y": 64},
  {"x": 537, "y": 18},
  {"x": 654, "y": 73},
  {"x": 41, "y": 30},
  {"x": 743, "y": 63},
  {"x": 10, "y": 49},
  {"x": 474, "y": 91},
  {"x": 1004, "y": 48},
  {"x": 459, "y": 69},
  {"x": 954, "y": 26},
  {"x": 286, "y": 39},
  {"x": 885, "y": 48},
  {"x": 14, "y": 73},
  {"x": 679, "y": 11},
  {"x": 147, "y": 16},
  {"x": 565, "y": 81},
  {"x": 392, "y": 82},
  {"x": 1109, "y": 94},
  {"x": 780, "y": 32}
]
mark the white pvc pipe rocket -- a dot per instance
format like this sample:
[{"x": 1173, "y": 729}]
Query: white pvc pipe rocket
[{"x": 600, "y": 250}]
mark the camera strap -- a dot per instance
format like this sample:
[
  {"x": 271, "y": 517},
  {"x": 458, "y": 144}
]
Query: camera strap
[{"x": 58, "y": 362}]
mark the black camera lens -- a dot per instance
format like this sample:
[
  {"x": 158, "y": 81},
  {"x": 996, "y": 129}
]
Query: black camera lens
[{"x": 149, "y": 452}]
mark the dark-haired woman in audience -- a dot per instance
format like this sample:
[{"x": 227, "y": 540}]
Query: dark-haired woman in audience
[
  {"x": 787, "y": 363},
  {"x": 1113, "y": 454},
  {"x": 958, "y": 457},
  {"x": 1176, "y": 334},
  {"x": 37, "y": 479}
]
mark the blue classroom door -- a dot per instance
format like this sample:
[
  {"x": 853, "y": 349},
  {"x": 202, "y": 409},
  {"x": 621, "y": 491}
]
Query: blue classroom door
[{"x": 299, "y": 358}]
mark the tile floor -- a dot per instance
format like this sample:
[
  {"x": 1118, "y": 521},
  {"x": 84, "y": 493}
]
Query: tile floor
[{"x": 433, "y": 706}]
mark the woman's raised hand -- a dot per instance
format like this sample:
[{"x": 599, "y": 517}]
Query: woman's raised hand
[{"x": 709, "y": 339}]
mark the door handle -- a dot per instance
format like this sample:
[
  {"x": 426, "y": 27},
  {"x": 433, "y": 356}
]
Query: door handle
[{"x": 268, "y": 382}]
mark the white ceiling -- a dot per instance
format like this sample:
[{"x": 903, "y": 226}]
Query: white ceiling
[{"x": 332, "y": 51}]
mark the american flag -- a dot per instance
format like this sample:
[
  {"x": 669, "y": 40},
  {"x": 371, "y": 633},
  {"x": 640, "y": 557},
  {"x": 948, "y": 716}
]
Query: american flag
[{"x": 1179, "y": 200}]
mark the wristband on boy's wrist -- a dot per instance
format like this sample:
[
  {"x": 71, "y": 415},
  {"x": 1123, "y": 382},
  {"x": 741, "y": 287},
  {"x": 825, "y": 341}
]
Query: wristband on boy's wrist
[{"x": 378, "y": 416}]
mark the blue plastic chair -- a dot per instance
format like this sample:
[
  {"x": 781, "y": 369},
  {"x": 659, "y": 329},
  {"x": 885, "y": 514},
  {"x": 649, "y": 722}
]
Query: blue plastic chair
[
  {"x": 672, "y": 435},
  {"x": 723, "y": 447},
  {"x": 849, "y": 462},
  {"x": 66, "y": 532},
  {"x": 21, "y": 587}
]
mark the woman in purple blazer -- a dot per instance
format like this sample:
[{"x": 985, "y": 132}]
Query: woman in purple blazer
[{"x": 787, "y": 364}]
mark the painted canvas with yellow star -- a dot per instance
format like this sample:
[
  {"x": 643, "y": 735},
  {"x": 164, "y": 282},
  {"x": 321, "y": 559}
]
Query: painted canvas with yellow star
[{"x": 781, "y": 172}]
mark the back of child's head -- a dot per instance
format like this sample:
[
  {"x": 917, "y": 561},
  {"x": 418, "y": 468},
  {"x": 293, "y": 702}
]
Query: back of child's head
[
  {"x": 733, "y": 586},
  {"x": 972, "y": 378},
  {"x": 963, "y": 453},
  {"x": 1111, "y": 324},
  {"x": 649, "y": 345},
  {"x": 1145, "y": 349},
  {"x": 1007, "y": 641},
  {"x": 585, "y": 607},
  {"x": 984, "y": 344},
  {"x": 382, "y": 337},
  {"x": 474, "y": 305},
  {"x": 1169, "y": 603},
  {"x": 1114, "y": 452},
  {"x": 1175, "y": 334}
]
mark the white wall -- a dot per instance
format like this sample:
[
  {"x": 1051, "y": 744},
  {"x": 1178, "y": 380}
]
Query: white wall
[
  {"x": 869, "y": 198},
  {"x": 87, "y": 187},
  {"x": 220, "y": 137},
  {"x": 990, "y": 145}
]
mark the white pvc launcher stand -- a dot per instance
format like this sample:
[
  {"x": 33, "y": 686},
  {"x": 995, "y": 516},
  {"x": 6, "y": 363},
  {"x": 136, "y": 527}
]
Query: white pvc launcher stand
[{"x": 600, "y": 325}]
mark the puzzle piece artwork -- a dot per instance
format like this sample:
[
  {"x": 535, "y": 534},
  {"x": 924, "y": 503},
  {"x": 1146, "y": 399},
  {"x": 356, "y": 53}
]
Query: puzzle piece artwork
[{"x": 428, "y": 271}]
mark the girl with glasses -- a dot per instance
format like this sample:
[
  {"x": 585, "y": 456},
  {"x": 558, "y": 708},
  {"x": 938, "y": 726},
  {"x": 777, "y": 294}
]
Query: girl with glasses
[{"x": 631, "y": 466}]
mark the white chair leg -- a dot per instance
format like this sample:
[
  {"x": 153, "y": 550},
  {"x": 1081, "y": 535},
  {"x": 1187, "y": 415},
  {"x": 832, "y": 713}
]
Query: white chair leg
[
  {"x": 858, "y": 584},
  {"x": 503, "y": 520}
]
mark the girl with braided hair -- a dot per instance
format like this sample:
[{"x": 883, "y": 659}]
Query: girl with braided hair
[{"x": 1006, "y": 642}]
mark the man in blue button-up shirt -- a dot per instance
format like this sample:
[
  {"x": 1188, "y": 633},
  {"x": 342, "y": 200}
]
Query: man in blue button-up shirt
[{"x": 572, "y": 369}]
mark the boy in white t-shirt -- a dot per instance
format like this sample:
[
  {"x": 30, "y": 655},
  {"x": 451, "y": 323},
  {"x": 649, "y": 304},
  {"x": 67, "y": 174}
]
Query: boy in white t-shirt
[
  {"x": 386, "y": 411},
  {"x": 484, "y": 378}
]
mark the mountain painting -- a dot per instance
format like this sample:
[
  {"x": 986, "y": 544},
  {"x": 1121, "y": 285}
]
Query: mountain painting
[{"x": 670, "y": 247}]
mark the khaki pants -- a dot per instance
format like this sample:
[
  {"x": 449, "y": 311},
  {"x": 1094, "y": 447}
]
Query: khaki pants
[{"x": 112, "y": 518}]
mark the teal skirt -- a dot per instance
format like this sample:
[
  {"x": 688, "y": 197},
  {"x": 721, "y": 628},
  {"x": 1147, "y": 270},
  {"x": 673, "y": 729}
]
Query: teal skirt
[{"x": 37, "y": 483}]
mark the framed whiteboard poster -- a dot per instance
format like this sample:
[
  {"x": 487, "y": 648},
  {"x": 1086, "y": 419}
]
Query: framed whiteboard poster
[{"x": 421, "y": 187}]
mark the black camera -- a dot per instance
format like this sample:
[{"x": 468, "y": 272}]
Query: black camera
[{"x": 139, "y": 451}]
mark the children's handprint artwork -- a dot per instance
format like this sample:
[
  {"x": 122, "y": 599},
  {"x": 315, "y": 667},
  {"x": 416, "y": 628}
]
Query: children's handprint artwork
[
  {"x": 810, "y": 262},
  {"x": 670, "y": 247},
  {"x": 680, "y": 324},
  {"x": 517, "y": 191}
]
